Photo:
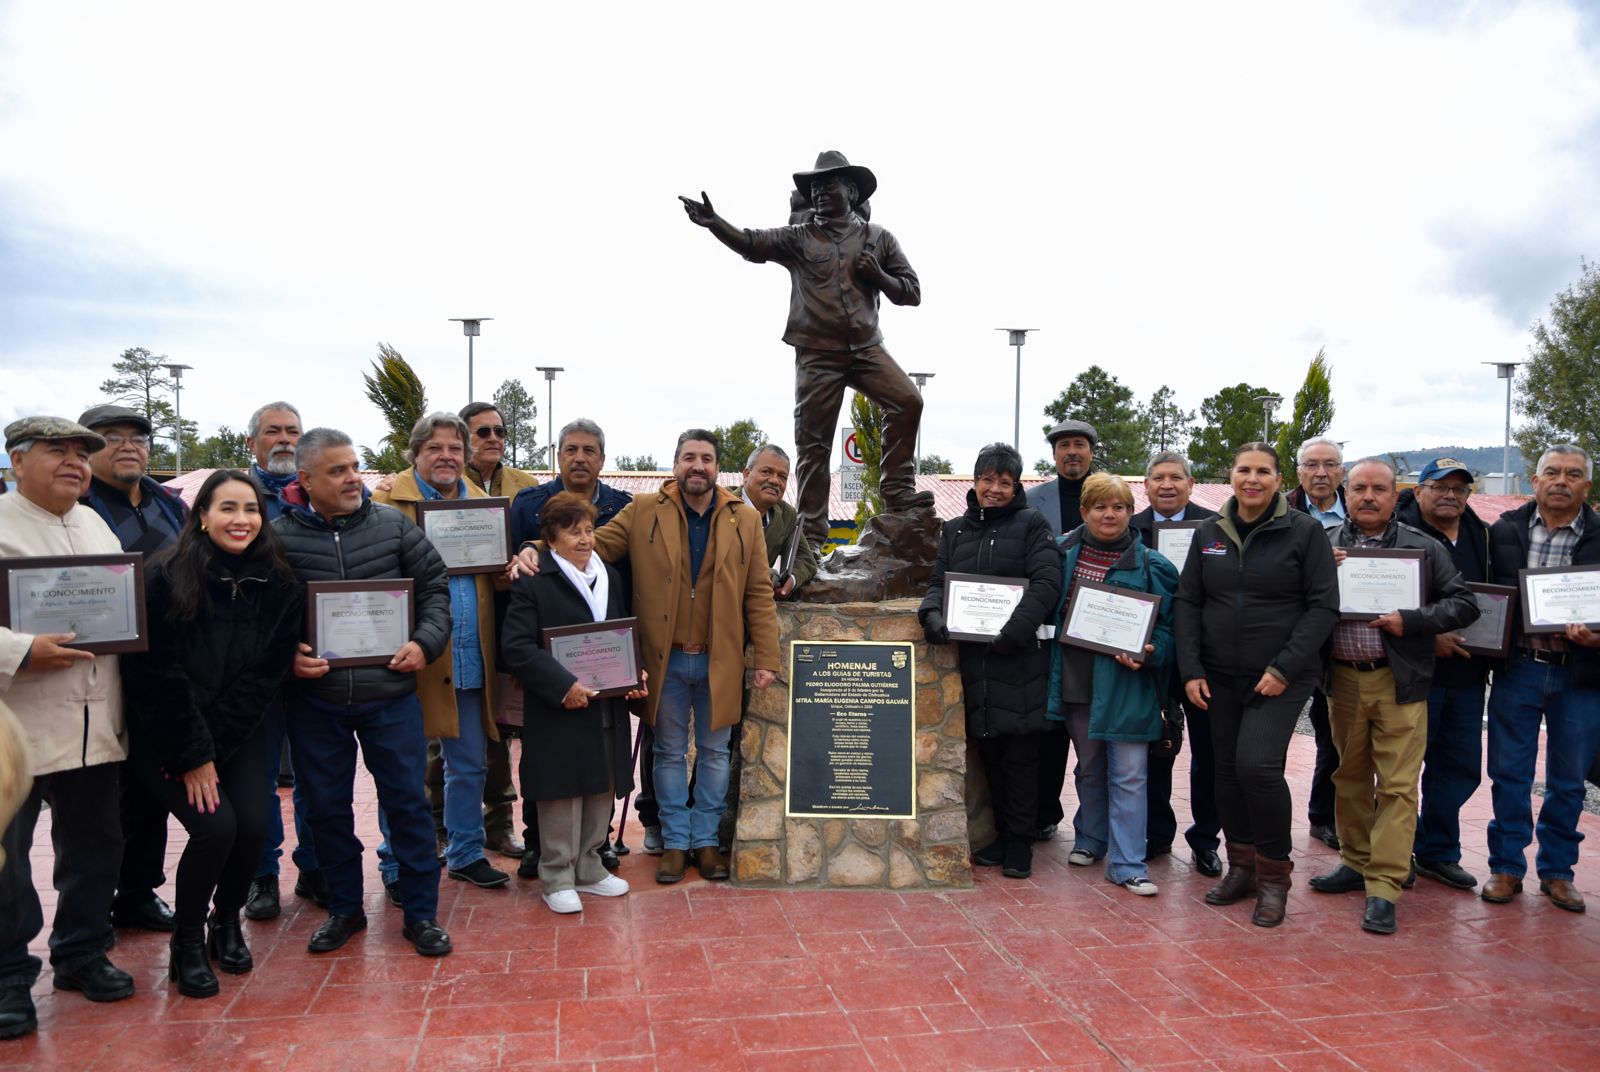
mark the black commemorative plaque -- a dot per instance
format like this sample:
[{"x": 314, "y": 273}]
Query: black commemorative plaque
[{"x": 852, "y": 730}]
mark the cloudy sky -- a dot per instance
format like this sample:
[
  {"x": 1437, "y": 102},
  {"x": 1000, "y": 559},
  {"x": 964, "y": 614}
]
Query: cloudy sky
[{"x": 1185, "y": 194}]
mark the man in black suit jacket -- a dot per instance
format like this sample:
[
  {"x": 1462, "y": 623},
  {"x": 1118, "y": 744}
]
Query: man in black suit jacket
[{"x": 1168, "y": 483}]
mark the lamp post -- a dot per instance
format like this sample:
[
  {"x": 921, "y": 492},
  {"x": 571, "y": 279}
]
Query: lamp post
[
  {"x": 1268, "y": 404},
  {"x": 177, "y": 371},
  {"x": 920, "y": 378},
  {"x": 1507, "y": 371},
  {"x": 469, "y": 328},
  {"x": 1017, "y": 337},
  {"x": 550, "y": 407}
]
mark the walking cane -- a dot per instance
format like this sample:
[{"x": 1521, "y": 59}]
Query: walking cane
[{"x": 619, "y": 848}]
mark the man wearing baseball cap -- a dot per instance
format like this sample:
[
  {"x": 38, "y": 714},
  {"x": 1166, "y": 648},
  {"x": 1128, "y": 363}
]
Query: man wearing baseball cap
[
  {"x": 144, "y": 517},
  {"x": 70, "y": 705},
  {"x": 1452, "y": 765}
]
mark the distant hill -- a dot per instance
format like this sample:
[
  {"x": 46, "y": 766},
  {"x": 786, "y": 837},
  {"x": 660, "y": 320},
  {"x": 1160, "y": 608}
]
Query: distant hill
[{"x": 1480, "y": 459}]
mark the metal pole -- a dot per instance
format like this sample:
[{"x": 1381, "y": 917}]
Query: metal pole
[
  {"x": 1016, "y": 409},
  {"x": 550, "y": 418},
  {"x": 1505, "y": 455},
  {"x": 470, "y": 395},
  {"x": 177, "y": 435}
]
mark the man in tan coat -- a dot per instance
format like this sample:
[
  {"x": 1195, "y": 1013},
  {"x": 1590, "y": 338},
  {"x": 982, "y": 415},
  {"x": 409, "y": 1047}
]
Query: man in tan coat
[
  {"x": 69, "y": 703},
  {"x": 701, "y": 589},
  {"x": 456, "y": 689}
]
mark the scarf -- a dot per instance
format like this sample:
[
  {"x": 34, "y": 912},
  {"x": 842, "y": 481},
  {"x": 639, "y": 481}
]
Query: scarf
[
  {"x": 591, "y": 582},
  {"x": 272, "y": 482}
]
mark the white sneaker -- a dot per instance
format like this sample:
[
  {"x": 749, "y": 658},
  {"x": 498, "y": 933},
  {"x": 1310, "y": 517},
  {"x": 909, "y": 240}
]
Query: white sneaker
[
  {"x": 1081, "y": 858},
  {"x": 564, "y": 901},
  {"x": 1141, "y": 886},
  {"x": 610, "y": 886}
]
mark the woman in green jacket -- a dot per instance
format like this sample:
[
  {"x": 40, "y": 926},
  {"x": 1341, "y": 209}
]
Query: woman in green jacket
[{"x": 1111, "y": 704}]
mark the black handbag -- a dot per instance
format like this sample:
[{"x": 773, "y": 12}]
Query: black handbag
[{"x": 1170, "y": 743}]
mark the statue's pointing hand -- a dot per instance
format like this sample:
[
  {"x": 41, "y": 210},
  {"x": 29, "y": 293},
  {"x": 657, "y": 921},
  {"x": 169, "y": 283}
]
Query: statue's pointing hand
[{"x": 700, "y": 212}]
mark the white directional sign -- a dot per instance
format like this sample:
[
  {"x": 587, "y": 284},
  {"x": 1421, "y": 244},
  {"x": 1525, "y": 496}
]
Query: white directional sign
[{"x": 850, "y": 485}]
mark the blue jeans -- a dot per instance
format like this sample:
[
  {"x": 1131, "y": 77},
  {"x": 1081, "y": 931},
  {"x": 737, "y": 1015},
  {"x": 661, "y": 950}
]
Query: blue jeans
[
  {"x": 1522, "y": 692},
  {"x": 465, "y": 769},
  {"x": 1451, "y": 770},
  {"x": 1113, "y": 804},
  {"x": 686, "y": 700},
  {"x": 305, "y": 853},
  {"x": 323, "y": 743}
]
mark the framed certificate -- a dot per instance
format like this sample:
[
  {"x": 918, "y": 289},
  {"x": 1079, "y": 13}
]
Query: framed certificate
[
  {"x": 472, "y": 535},
  {"x": 1376, "y": 580},
  {"x": 98, "y": 597},
  {"x": 977, "y": 606},
  {"x": 1173, "y": 539},
  {"x": 1555, "y": 596},
  {"x": 1111, "y": 620},
  {"x": 603, "y": 656},
  {"x": 1491, "y": 634},
  {"x": 359, "y": 623}
]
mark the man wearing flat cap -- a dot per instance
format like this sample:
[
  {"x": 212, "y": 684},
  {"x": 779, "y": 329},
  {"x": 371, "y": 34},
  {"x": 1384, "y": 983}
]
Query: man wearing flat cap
[
  {"x": 145, "y": 518},
  {"x": 1073, "y": 444},
  {"x": 839, "y": 265},
  {"x": 70, "y": 705}
]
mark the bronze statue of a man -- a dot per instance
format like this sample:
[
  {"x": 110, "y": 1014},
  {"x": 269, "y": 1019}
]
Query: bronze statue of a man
[{"x": 838, "y": 266}]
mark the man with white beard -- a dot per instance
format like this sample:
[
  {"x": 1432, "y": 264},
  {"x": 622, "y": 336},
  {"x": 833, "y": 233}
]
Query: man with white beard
[{"x": 271, "y": 436}]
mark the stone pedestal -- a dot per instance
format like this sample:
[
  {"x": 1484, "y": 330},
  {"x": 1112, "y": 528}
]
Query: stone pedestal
[{"x": 929, "y": 852}]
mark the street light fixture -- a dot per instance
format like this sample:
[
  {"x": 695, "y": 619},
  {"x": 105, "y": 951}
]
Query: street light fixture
[
  {"x": 920, "y": 378},
  {"x": 176, "y": 372},
  {"x": 469, "y": 328},
  {"x": 550, "y": 407},
  {"x": 1268, "y": 404},
  {"x": 1507, "y": 371},
  {"x": 1017, "y": 337}
]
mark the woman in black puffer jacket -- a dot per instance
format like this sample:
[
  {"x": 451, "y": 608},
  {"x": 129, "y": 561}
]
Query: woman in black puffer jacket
[
  {"x": 1005, "y": 679},
  {"x": 224, "y": 614}
]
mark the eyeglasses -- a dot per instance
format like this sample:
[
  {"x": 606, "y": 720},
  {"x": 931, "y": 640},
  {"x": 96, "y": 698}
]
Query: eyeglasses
[
  {"x": 1314, "y": 466},
  {"x": 114, "y": 439},
  {"x": 1446, "y": 490},
  {"x": 498, "y": 431}
]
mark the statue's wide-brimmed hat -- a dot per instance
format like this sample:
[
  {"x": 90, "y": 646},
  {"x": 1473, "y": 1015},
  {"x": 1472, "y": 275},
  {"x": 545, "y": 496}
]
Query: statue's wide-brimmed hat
[{"x": 831, "y": 163}]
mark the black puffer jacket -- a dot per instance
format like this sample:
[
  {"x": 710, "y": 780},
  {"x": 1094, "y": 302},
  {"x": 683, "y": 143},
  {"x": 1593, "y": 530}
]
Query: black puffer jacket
[
  {"x": 374, "y": 542},
  {"x": 1268, "y": 603},
  {"x": 1005, "y": 681},
  {"x": 1508, "y": 540},
  {"x": 1470, "y": 553},
  {"x": 205, "y": 685}
]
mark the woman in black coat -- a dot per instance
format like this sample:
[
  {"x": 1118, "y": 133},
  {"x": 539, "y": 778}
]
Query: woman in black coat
[
  {"x": 1257, "y": 602},
  {"x": 1004, "y": 680},
  {"x": 223, "y": 610},
  {"x": 575, "y": 756}
]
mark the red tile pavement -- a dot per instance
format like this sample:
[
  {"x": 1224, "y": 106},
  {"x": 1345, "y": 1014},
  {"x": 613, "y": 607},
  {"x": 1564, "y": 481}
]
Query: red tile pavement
[{"x": 1061, "y": 971}]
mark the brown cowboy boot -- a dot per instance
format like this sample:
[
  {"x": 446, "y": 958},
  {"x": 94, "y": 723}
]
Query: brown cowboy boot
[
  {"x": 1272, "y": 890},
  {"x": 1240, "y": 879}
]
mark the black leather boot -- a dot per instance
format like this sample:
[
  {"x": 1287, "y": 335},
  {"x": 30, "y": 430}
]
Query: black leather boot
[
  {"x": 189, "y": 967},
  {"x": 226, "y": 944}
]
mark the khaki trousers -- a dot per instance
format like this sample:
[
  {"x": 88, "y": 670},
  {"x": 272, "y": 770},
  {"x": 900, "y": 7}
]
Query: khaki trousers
[
  {"x": 1381, "y": 744},
  {"x": 571, "y": 832}
]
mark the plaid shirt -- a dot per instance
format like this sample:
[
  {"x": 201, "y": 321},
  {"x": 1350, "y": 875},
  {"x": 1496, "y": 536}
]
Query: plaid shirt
[
  {"x": 1551, "y": 548},
  {"x": 1358, "y": 642}
]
